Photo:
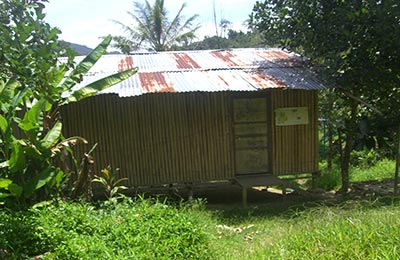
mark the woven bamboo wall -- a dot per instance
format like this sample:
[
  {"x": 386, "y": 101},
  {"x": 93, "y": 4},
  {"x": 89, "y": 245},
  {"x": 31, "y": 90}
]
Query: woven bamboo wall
[
  {"x": 295, "y": 147},
  {"x": 157, "y": 138}
]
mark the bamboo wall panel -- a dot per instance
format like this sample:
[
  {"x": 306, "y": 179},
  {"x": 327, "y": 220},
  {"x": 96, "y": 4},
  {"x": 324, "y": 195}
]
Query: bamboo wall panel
[
  {"x": 156, "y": 138},
  {"x": 250, "y": 126},
  {"x": 295, "y": 147}
]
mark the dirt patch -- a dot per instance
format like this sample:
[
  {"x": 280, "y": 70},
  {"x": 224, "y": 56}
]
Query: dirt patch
[
  {"x": 228, "y": 195},
  {"x": 372, "y": 188}
]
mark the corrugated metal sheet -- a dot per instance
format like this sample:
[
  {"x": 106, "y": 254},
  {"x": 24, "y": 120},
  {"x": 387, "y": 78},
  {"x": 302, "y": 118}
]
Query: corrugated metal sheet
[{"x": 208, "y": 71}]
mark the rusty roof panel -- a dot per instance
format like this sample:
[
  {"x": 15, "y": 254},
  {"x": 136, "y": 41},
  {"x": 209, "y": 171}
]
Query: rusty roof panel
[
  {"x": 153, "y": 82},
  {"x": 210, "y": 70},
  {"x": 185, "y": 62}
]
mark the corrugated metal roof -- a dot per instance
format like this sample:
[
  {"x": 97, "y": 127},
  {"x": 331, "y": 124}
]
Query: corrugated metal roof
[{"x": 210, "y": 70}]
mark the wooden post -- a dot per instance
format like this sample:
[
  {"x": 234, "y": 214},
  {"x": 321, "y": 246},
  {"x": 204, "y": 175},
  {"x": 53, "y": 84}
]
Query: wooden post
[
  {"x": 190, "y": 191},
  {"x": 244, "y": 196},
  {"x": 314, "y": 180}
]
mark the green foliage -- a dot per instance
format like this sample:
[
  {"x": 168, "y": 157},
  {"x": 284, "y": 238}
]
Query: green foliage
[
  {"x": 154, "y": 30},
  {"x": 364, "y": 159},
  {"x": 350, "y": 39},
  {"x": 355, "y": 38},
  {"x": 32, "y": 87},
  {"x": 151, "y": 229},
  {"x": 20, "y": 236},
  {"x": 110, "y": 182},
  {"x": 141, "y": 229},
  {"x": 234, "y": 40},
  {"x": 383, "y": 169},
  {"x": 330, "y": 179},
  {"x": 366, "y": 169}
]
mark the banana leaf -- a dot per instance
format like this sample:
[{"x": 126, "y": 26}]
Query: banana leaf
[{"x": 99, "y": 85}]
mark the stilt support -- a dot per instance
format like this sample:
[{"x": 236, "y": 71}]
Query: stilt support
[{"x": 244, "y": 196}]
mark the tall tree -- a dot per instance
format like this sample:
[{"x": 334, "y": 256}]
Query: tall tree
[
  {"x": 356, "y": 41},
  {"x": 153, "y": 29}
]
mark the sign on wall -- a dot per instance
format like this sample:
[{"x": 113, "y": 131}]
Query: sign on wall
[{"x": 291, "y": 116}]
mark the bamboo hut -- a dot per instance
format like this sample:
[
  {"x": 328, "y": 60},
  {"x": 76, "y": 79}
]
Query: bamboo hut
[{"x": 244, "y": 115}]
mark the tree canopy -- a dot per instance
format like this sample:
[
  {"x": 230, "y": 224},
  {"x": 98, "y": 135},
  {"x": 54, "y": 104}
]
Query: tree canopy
[
  {"x": 356, "y": 42},
  {"x": 351, "y": 38},
  {"x": 154, "y": 30}
]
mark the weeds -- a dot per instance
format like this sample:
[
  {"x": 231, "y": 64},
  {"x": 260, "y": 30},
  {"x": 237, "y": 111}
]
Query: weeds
[
  {"x": 159, "y": 229},
  {"x": 330, "y": 179},
  {"x": 109, "y": 181},
  {"x": 131, "y": 229},
  {"x": 383, "y": 169}
]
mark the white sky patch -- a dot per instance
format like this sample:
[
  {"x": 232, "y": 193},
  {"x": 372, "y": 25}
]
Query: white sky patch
[{"x": 84, "y": 21}]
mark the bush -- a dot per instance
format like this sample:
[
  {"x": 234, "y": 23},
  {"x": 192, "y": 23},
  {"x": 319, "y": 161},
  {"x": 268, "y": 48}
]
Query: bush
[
  {"x": 20, "y": 237},
  {"x": 364, "y": 158},
  {"x": 383, "y": 169},
  {"x": 140, "y": 229},
  {"x": 369, "y": 170},
  {"x": 330, "y": 179}
]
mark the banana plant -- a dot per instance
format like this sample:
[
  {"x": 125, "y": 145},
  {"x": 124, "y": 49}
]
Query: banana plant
[{"x": 30, "y": 143}]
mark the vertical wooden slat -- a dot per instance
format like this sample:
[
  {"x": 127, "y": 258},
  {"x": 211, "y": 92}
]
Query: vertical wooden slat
[
  {"x": 158, "y": 138},
  {"x": 295, "y": 147}
]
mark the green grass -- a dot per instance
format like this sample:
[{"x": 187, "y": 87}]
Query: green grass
[
  {"x": 383, "y": 169},
  {"x": 292, "y": 228},
  {"x": 350, "y": 230},
  {"x": 141, "y": 229},
  {"x": 154, "y": 230},
  {"x": 330, "y": 179},
  {"x": 359, "y": 232}
]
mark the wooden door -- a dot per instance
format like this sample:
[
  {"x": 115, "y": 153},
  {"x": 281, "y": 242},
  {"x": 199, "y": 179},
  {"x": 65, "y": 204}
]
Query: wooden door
[{"x": 250, "y": 135}]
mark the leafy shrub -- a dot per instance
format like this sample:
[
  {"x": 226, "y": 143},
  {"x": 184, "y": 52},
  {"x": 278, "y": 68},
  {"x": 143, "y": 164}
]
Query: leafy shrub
[
  {"x": 32, "y": 88},
  {"x": 364, "y": 158},
  {"x": 140, "y": 229},
  {"x": 20, "y": 237},
  {"x": 330, "y": 179}
]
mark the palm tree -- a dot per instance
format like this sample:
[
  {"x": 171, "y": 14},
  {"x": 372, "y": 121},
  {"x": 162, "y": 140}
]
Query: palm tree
[{"x": 153, "y": 30}]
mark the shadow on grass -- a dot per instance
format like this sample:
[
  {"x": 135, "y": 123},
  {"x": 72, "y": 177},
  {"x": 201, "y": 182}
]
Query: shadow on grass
[{"x": 225, "y": 203}]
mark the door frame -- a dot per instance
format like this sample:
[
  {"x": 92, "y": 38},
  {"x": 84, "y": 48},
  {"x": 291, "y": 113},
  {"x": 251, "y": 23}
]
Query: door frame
[{"x": 259, "y": 94}]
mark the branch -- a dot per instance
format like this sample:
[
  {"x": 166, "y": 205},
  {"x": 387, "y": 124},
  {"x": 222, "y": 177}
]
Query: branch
[{"x": 373, "y": 108}]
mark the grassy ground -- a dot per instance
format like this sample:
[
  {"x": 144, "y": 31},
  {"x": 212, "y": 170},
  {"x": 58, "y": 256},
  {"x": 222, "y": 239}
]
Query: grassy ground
[
  {"x": 349, "y": 230},
  {"x": 272, "y": 227}
]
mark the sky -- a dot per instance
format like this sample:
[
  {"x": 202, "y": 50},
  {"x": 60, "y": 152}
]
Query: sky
[{"x": 84, "y": 21}]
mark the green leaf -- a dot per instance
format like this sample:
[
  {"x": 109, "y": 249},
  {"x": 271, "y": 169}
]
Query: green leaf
[
  {"x": 4, "y": 183},
  {"x": 99, "y": 85},
  {"x": 4, "y": 164},
  {"x": 59, "y": 178},
  {"x": 7, "y": 89},
  {"x": 52, "y": 136},
  {"x": 87, "y": 63},
  {"x": 3, "y": 124},
  {"x": 32, "y": 119},
  {"x": 18, "y": 98},
  {"x": 3, "y": 196},
  {"x": 15, "y": 189},
  {"x": 39, "y": 181},
  {"x": 17, "y": 158}
]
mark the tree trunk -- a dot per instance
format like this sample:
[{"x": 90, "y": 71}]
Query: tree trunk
[
  {"x": 345, "y": 160},
  {"x": 396, "y": 173},
  {"x": 330, "y": 131}
]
